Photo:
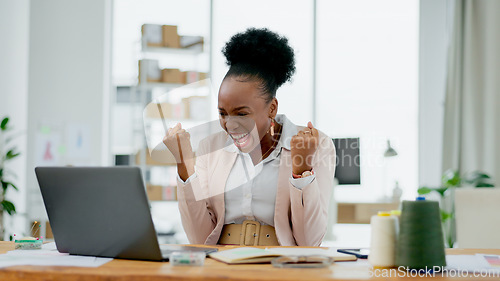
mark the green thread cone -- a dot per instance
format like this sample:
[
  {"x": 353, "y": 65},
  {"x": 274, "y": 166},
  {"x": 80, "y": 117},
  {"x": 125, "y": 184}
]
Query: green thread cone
[{"x": 420, "y": 242}]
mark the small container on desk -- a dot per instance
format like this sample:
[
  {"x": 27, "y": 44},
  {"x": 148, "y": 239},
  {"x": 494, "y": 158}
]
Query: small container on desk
[
  {"x": 28, "y": 243},
  {"x": 186, "y": 258}
]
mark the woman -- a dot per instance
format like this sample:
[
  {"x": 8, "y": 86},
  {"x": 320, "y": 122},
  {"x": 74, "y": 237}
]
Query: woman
[{"x": 265, "y": 181}]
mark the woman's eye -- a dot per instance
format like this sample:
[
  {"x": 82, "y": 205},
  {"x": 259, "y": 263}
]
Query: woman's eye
[
  {"x": 222, "y": 114},
  {"x": 242, "y": 114}
]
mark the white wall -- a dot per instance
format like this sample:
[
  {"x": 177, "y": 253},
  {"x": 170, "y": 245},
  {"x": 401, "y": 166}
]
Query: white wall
[
  {"x": 435, "y": 23},
  {"x": 14, "y": 34},
  {"x": 69, "y": 84}
]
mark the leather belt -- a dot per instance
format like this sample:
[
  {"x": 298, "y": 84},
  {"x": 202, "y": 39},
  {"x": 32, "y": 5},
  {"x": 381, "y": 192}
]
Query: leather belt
[{"x": 249, "y": 233}]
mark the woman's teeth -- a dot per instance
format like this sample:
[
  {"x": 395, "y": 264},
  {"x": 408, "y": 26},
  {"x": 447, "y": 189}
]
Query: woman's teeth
[
  {"x": 238, "y": 136},
  {"x": 240, "y": 139}
]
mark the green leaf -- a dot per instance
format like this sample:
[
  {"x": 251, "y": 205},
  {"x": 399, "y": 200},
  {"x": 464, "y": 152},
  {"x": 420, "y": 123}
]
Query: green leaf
[
  {"x": 485, "y": 185},
  {"x": 451, "y": 178},
  {"x": 3, "y": 125},
  {"x": 424, "y": 190},
  {"x": 473, "y": 178},
  {"x": 5, "y": 185},
  {"x": 441, "y": 190},
  {"x": 13, "y": 186},
  {"x": 445, "y": 215},
  {"x": 450, "y": 241},
  {"x": 11, "y": 154},
  {"x": 9, "y": 207}
]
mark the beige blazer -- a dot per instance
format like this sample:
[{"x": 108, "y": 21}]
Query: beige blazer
[{"x": 300, "y": 216}]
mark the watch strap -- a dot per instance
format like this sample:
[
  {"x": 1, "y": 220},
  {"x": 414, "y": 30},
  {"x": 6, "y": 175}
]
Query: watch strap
[{"x": 303, "y": 175}]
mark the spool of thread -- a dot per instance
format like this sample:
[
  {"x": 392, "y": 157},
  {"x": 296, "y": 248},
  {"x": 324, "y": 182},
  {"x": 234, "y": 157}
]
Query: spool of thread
[
  {"x": 396, "y": 213},
  {"x": 384, "y": 230},
  {"x": 420, "y": 243}
]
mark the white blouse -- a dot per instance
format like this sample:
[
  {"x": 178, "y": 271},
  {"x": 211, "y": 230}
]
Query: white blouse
[{"x": 250, "y": 192}]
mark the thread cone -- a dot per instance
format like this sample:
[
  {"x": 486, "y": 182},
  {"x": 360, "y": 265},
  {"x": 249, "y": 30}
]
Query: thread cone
[{"x": 420, "y": 242}]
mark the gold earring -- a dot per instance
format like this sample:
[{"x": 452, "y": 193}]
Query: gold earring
[{"x": 272, "y": 127}]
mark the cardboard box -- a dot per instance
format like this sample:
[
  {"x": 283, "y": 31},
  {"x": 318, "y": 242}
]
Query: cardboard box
[
  {"x": 202, "y": 76},
  {"x": 173, "y": 75},
  {"x": 159, "y": 158},
  {"x": 155, "y": 192},
  {"x": 159, "y": 192},
  {"x": 48, "y": 231},
  {"x": 179, "y": 111},
  {"x": 197, "y": 107},
  {"x": 193, "y": 76},
  {"x": 149, "y": 70},
  {"x": 37, "y": 231},
  {"x": 152, "y": 110},
  {"x": 170, "y": 37},
  {"x": 170, "y": 193},
  {"x": 169, "y": 111},
  {"x": 152, "y": 35},
  {"x": 191, "y": 42},
  {"x": 361, "y": 212}
]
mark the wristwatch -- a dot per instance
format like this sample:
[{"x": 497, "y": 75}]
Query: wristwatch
[{"x": 303, "y": 175}]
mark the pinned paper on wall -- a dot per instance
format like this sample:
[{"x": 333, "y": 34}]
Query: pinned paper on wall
[
  {"x": 78, "y": 141},
  {"x": 47, "y": 146}
]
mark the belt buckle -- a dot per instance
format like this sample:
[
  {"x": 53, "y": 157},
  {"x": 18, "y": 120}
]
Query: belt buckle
[{"x": 250, "y": 230}]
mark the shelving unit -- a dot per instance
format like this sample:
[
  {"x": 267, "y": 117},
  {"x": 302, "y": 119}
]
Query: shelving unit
[
  {"x": 144, "y": 93},
  {"x": 174, "y": 51}
]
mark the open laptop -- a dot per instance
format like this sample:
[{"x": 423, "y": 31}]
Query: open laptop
[{"x": 102, "y": 211}]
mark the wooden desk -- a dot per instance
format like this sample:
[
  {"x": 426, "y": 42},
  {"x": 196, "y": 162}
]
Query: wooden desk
[{"x": 148, "y": 271}]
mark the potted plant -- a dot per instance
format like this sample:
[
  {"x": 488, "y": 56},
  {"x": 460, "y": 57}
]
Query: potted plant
[
  {"x": 7, "y": 153},
  {"x": 452, "y": 179}
]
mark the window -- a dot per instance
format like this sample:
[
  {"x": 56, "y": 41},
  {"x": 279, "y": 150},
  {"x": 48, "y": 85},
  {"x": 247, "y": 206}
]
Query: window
[{"x": 367, "y": 87}]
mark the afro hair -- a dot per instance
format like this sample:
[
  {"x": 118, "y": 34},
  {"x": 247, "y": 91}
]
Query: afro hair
[{"x": 262, "y": 54}]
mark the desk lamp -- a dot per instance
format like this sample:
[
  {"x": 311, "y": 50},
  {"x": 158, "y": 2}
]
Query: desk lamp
[{"x": 389, "y": 153}]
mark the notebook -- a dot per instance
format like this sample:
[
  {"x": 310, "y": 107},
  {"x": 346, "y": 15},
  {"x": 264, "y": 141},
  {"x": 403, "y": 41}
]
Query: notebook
[
  {"x": 245, "y": 255},
  {"x": 102, "y": 211}
]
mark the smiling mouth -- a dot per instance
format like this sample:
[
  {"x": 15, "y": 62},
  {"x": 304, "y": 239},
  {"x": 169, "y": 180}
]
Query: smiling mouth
[{"x": 240, "y": 139}]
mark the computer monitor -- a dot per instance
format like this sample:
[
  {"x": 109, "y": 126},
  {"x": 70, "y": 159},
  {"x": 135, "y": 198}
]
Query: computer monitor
[{"x": 348, "y": 163}]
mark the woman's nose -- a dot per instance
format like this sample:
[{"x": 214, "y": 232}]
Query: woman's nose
[{"x": 231, "y": 124}]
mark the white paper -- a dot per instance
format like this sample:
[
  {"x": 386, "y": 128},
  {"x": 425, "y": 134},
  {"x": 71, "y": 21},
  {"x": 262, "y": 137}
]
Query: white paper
[
  {"x": 78, "y": 141},
  {"x": 49, "y": 256},
  {"x": 470, "y": 263},
  {"x": 46, "y": 149}
]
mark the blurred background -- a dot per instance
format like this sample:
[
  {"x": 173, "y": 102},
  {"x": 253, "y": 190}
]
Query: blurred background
[{"x": 77, "y": 76}]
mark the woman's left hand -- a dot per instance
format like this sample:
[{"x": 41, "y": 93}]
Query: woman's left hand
[{"x": 303, "y": 146}]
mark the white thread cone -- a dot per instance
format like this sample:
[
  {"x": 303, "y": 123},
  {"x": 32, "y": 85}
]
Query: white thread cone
[{"x": 384, "y": 231}]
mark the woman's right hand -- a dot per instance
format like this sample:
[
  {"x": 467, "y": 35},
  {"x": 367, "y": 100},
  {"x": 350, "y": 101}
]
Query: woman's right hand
[{"x": 178, "y": 142}]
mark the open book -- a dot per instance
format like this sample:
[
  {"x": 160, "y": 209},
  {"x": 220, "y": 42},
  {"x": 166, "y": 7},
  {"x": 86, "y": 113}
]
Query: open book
[{"x": 255, "y": 255}]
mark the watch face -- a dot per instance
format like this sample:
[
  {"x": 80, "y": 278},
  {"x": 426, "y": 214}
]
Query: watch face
[{"x": 306, "y": 174}]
